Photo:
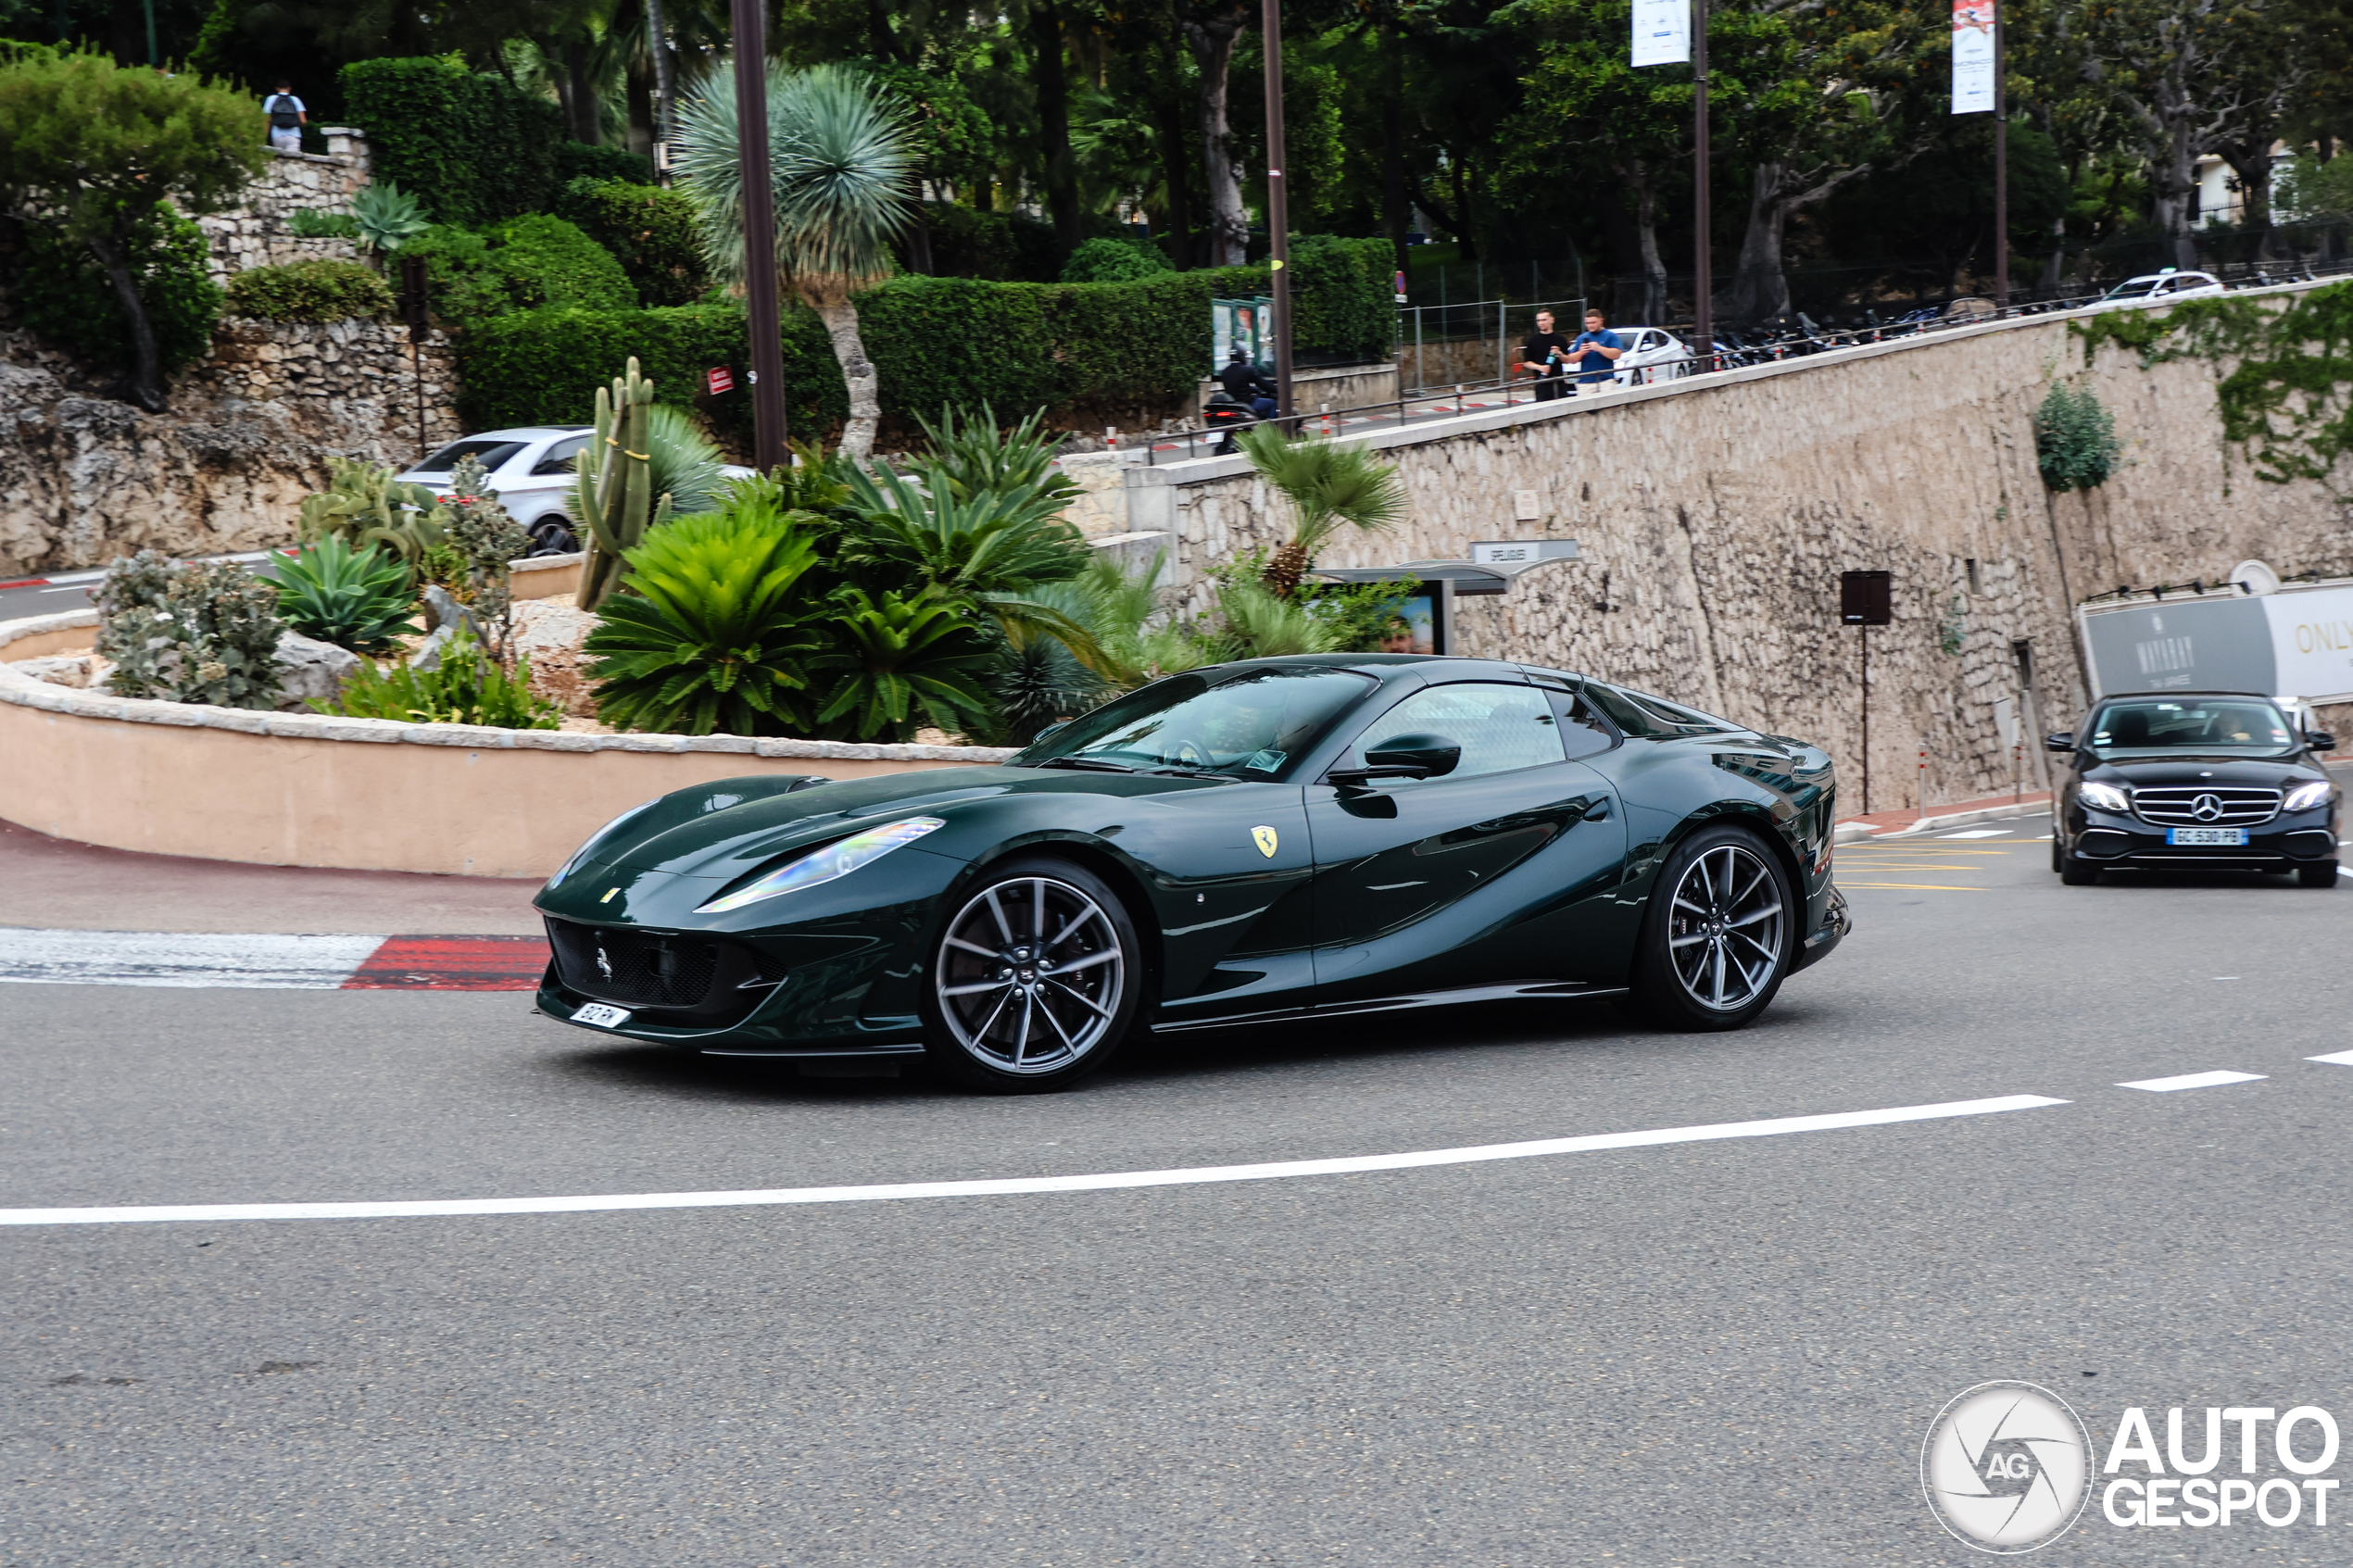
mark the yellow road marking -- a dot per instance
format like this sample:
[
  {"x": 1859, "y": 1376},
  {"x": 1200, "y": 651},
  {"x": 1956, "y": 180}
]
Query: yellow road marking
[
  {"x": 1908, "y": 866},
  {"x": 1915, "y": 848},
  {"x": 1922, "y": 886}
]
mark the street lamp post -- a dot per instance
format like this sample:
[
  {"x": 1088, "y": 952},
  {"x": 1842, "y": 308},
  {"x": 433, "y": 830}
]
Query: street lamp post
[
  {"x": 1277, "y": 204},
  {"x": 2001, "y": 169},
  {"x": 761, "y": 316},
  {"x": 1703, "y": 282}
]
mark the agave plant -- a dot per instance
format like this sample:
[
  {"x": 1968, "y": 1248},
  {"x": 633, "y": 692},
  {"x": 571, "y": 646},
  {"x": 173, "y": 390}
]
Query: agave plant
[
  {"x": 364, "y": 505},
  {"x": 844, "y": 165},
  {"x": 897, "y": 658},
  {"x": 713, "y": 630},
  {"x": 358, "y": 599},
  {"x": 384, "y": 217},
  {"x": 1327, "y": 485}
]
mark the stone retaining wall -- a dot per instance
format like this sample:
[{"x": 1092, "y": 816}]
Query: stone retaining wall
[
  {"x": 1715, "y": 515},
  {"x": 258, "y": 232}
]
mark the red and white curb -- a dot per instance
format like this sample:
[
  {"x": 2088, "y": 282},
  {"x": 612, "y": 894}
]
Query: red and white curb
[{"x": 271, "y": 961}]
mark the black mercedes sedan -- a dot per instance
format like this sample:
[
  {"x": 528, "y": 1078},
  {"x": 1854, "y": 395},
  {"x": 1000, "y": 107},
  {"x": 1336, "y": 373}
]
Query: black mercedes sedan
[{"x": 2226, "y": 781}]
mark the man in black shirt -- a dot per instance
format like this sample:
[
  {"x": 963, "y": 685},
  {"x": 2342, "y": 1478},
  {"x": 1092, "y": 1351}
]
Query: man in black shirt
[
  {"x": 1245, "y": 385},
  {"x": 1545, "y": 356}
]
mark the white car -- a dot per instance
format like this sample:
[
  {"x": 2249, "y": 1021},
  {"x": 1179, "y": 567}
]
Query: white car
[
  {"x": 532, "y": 470},
  {"x": 1653, "y": 354},
  {"x": 2170, "y": 284}
]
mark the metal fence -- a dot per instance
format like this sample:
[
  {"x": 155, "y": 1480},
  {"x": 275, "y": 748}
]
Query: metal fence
[{"x": 1469, "y": 340}]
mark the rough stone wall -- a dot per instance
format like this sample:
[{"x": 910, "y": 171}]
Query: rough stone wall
[
  {"x": 84, "y": 479},
  {"x": 1715, "y": 520},
  {"x": 258, "y": 232}
]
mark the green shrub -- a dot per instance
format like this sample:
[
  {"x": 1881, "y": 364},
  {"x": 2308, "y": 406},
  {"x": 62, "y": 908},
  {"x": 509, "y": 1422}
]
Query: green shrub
[
  {"x": 357, "y": 599},
  {"x": 364, "y": 505},
  {"x": 189, "y": 631},
  {"x": 524, "y": 264},
  {"x": 466, "y": 687},
  {"x": 309, "y": 290},
  {"x": 317, "y": 223},
  {"x": 2075, "y": 441},
  {"x": 61, "y": 293},
  {"x": 649, "y": 231},
  {"x": 715, "y": 629},
  {"x": 578, "y": 160},
  {"x": 998, "y": 246},
  {"x": 1113, "y": 262},
  {"x": 898, "y": 659},
  {"x": 469, "y": 146}
]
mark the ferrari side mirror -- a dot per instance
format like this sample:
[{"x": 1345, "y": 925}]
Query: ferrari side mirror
[
  {"x": 1435, "y": 755},
  {"x": 2316, "y": 741},
  {"x": 2063, "y": 740},
  {"x": 1058, "y": 724}
]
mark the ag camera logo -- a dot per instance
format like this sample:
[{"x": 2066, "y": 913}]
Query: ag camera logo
[{"x": 2007, "y": 1467}]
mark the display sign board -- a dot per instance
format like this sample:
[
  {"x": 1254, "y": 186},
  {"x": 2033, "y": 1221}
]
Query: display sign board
[
  {"x": 719, "y": 378},
  {"x": 1662, "y": 32},
  {"x": 1864, "y": 598},
  {"x": 1974, "y": 57},
  {"x": 1518, "y": 555},
  {"x": 1247, "y": 324},
  {"x": 2296, "y": 643}
]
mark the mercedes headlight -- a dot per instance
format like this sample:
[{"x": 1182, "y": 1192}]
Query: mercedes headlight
[
  {"x": 835, "y": 859},
  {"x": 2104, "y": 797},
  {"x": 580, "y": 856},
  {"x": 2304, "y": 796}
]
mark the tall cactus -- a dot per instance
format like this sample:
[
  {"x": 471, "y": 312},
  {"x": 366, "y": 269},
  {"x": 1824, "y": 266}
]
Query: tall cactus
[{"x": 613, "y": 495}]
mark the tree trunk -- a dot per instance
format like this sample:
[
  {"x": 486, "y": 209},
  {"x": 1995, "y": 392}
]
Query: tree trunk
[
  {"x": 579, "y": 95},
  {"x": 665, "y": 92},
  {"x": 1759, "y": 292},
  {"x": 144, "y": 386},
  {"x": 2173, "y": 181},
  {"x": 857, "y": 373},
  {"x": 1051, "y": 77},
  {"x": 919, "y": 246},
  {"x": 1651, "y": 304},
  {"x": 1212, "y": 45},
  {"x": 1175, "y": 173},
  {"x": 1397, "y": 212},
  {"x": 2251, "y": 163},
  {"x": 1466, "y": 242}
]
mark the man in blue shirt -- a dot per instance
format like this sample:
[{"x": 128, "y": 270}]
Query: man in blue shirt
[{"x": 1596, "y": 350}]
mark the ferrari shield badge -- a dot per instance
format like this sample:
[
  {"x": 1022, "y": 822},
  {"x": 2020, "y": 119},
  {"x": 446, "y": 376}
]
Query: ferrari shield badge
[{"x": 1265, "y": 839}]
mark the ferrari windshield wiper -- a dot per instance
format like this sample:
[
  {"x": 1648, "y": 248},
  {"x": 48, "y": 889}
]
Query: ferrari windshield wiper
[
  {"x": 1089, "y": 763},
  {"x": 1192, "y": 773}
]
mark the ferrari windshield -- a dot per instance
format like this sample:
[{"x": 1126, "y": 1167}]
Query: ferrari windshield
[
  {"x": 1251, "y": 724},
  {"x": 2227, "y": 726}
]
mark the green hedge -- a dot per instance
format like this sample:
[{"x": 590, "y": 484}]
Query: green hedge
[
  {"x": 1343, "y": 301},
  {"x": 649, "y": 231},
  {"x": 470, "y": 148},
  {"x": 318, "y": 290},
  {"x": 60, "y": 293},
  {"x": 524, "y": 264}
]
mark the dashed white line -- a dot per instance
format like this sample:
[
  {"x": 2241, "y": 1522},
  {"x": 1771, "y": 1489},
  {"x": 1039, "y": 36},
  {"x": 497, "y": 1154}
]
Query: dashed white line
[
  {"x": 2214, "y": 1080},
  {"x": 2334, "y": 1059},
  {"x": 1195, "y": 1175}
]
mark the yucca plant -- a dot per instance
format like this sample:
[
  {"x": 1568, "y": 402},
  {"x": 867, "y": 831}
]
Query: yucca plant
[
  {"x": 897, "y": 658},
  {"x": 364, "y": 505},
  {"x": 715, "y": 629},
  {"x": 358, "y": 599},
  {"x": 844, "y": 160},
  {"x": 684, "y": 465},
  {"x": 1327, "y": 485}
]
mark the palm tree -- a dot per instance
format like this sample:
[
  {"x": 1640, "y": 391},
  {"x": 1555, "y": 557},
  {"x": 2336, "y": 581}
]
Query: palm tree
[
  {"x": 844, "y": 161},
  {"x": 1326, "y": 485}
]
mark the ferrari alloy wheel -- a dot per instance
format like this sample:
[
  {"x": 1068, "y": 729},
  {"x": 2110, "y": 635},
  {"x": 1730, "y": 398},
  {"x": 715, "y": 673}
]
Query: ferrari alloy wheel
[
  {"x": 1717, "y": 940},
  {"x": 1034, "y": 978}
]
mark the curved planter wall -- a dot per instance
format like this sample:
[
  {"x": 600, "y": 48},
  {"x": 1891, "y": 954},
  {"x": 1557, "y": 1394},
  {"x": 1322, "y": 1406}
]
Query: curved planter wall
[{"x": 228, "y": 784}]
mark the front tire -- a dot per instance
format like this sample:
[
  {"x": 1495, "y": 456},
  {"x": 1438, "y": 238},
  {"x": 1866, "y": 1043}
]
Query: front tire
[
  {"x": 1718, "y": 938},
  {"x": 1036, "y": 980},
  {"x": 2317, "y": 876},
  {"x": 2074, "y": 872}
]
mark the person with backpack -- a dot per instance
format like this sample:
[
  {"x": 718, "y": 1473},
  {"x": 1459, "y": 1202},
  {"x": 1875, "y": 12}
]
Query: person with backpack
[{"x": 287, "y": 117}]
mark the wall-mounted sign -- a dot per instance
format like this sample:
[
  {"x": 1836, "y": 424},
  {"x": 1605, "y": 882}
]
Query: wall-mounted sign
[
  {"x": 719, "y": 378},
  {"x": 1518, "y": 555}
]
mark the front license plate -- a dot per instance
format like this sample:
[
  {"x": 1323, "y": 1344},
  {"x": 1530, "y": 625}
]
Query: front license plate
[
  {"x": 600, "y": 1015},
  {"x": 2205, "y": 836}
]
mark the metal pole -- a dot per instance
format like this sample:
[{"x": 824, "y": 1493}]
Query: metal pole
[
  {"x": 762, "y": 317},
  {"x": 1499, "y": 344},
  {"x": 1865, "y": 632},
  {"x": 2001, "y": 170},
  {"x": 1703, "y": 282},
  {"x": 1277, "y": 202},
  {"x": 657, "y": 36}
]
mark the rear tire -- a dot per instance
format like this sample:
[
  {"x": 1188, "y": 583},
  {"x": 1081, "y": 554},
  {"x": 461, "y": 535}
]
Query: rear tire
[
  {"x": 1036, "y": 981},
  {"x": 2317, "y": 876},
  {"x": 1720, "y": 935}
]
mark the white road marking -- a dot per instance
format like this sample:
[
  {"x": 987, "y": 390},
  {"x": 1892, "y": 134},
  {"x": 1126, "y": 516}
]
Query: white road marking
[
  {"x": 154, "y": 958},
  {"x": 2334, "y": 1059},
  {"x": 1190, "y": 1176},
  {"x": 2214, "y": 1080},
  {"x": 1978, "y": 832}
]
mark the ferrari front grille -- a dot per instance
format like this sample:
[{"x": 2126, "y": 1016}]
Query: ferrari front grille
[
  {"x": 647, "y": 969},
  {"x": 2198, "y": 806}
]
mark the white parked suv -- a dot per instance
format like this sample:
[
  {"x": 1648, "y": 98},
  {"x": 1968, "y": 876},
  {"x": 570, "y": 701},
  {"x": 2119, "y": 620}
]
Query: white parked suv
[
  {"x": 532, "y": 470},
  {"x": 2170, "y": 284}
]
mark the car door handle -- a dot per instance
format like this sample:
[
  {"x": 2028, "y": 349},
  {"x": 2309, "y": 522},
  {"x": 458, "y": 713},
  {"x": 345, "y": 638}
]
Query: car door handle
[{"x": 1597, "y": 810}]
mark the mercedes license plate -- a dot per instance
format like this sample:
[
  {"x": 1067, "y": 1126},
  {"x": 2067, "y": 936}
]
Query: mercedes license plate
[
  {"x": 600, "y": 1015},
  {"x": 2212, "y": 836}
]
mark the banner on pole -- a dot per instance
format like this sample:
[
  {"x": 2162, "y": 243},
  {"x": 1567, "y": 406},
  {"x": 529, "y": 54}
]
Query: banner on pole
[
  {"x": 1662, "y": 32},
  {"x": 1974, "y": 57}
]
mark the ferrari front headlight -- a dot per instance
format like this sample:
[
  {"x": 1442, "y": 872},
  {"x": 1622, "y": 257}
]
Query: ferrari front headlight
[
  {"x": 835, "y": 859},
  {"x": 2304, "y": 796},
  {"x": 2105, "y": 798}
]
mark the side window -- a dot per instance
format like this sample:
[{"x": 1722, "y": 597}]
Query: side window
[
  {"x": 559, "y": 455},
  {"x": 1583, "y": 731},
  {"x": 1500, "y": 728}
]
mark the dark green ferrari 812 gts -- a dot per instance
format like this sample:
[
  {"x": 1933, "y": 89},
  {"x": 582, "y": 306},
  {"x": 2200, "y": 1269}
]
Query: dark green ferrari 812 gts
[{"x": 1338, "y": 833}]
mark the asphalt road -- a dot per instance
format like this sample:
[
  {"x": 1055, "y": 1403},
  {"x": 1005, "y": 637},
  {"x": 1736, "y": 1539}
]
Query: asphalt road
[{"x": 1708, "y": 1353}]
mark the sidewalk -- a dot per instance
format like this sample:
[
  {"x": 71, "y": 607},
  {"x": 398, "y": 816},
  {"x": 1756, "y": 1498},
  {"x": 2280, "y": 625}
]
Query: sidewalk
[
  {"x": 56, "y": 884},
  {"x": 1955, "y": 813}
]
